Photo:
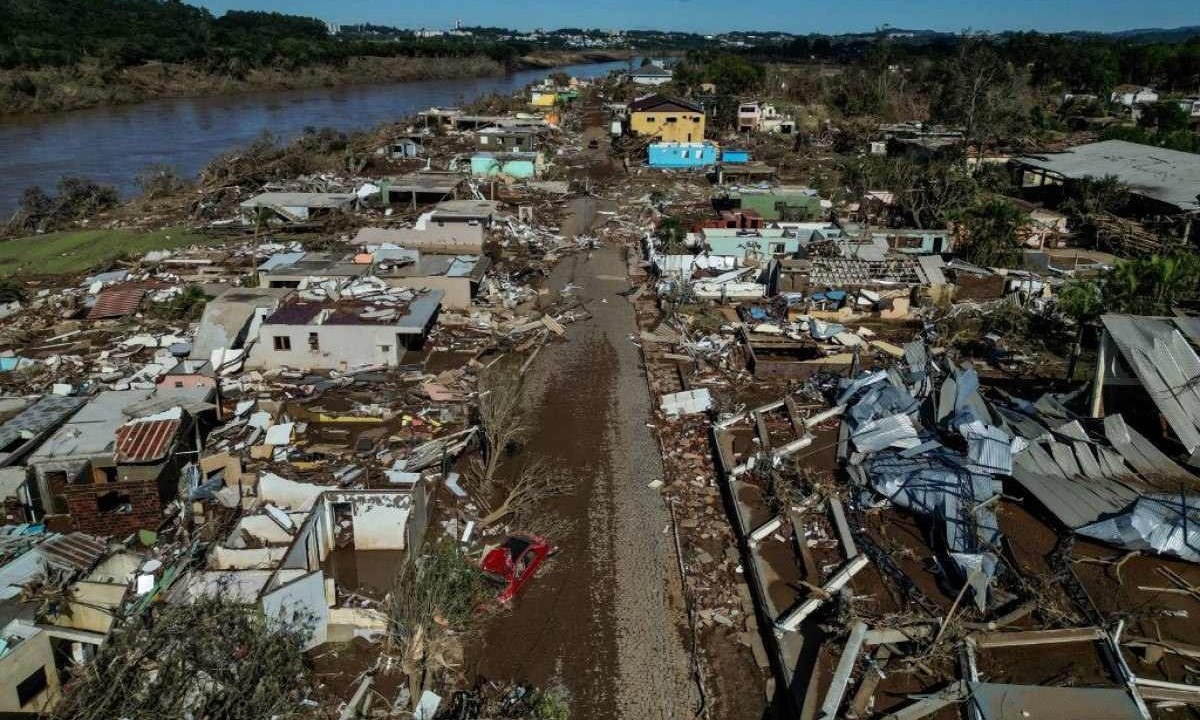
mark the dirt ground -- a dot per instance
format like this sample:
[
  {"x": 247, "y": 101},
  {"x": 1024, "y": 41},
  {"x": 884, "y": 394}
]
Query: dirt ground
[{"x": 604, "y": 618}]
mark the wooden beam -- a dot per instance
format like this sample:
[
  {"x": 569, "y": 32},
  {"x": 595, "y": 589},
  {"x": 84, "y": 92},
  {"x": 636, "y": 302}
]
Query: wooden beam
[
  {"x": 861, "y": 702},
  {"x": 954, "y": 693},
  {"x": 1037, "y": 637},
  {"x": 794, "y": 415},
  {"x": 1179, "y": 648},
  {"x": 811, "y": 573}
]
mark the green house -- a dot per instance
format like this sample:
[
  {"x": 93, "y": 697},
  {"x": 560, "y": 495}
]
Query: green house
[{"x": 792, "y": 204}]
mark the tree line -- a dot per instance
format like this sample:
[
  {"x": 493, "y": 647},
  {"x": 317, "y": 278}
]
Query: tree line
[{"x": 122, "y": 33}]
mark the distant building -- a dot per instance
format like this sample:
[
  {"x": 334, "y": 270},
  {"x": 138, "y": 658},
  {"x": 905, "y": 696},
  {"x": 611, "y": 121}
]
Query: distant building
[
  {"x": 650, "y": 75},
  {"x": 763, "y": 117},
  {"x": 1160, "y": 181},
  {"x": 1130, "y": 95},
  {"x": 1190, "y": 106}
]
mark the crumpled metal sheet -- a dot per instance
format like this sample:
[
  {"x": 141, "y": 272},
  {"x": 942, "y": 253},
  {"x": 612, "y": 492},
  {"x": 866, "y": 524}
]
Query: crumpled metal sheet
[
  {"x": 1168, "y": 524},
  {"x": 942, "y": 485}
]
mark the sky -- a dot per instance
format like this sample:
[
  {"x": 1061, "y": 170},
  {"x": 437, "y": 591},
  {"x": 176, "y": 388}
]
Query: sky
[{"x": 797, "y": 16}]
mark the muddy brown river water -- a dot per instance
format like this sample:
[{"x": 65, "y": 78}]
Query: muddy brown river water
[{"x": 113, "y": 144}]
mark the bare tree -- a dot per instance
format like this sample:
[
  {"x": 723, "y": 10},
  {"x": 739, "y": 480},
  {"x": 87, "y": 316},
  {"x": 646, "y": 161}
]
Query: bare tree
[
  {"x": 501, "y": 416},
  {"x": 520, "y": 496}
]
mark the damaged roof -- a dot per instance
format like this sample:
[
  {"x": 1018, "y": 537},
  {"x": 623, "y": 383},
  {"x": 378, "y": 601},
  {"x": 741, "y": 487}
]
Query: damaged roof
[
  {"x": 40, "y": 417},
  {"x": 116, "y": 302},
  {"x": 1167, "y": 366},
  {"x": 145, "y": 441},
  {"x": 76, "y": 550},
  {"x": 1169, "y": 176}
]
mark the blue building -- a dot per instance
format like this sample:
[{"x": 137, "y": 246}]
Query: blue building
[
  {"x": 682, "y": 155},
  {"x": 735, "y": 157},
  {"x": 514, "y": 164}
]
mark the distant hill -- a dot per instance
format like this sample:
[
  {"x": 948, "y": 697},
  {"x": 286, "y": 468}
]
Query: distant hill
[{"x": 1158, "y": 35}]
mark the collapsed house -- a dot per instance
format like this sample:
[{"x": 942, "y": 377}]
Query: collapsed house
[
  {"x": 375, "y": 328},
  {"x": 296, "y": 552},
  {"x": 1155, "y": 357},
  {"x": 115, "y": 466},
  {"x": 1161, "y": 182},
  {"x": 41, "y": 642},
  {"x": 291, "y": 270},
  {"x": 458, "y": 277},
  {"x": 432, "y": 233},
  {"x": 296, "y": 207}
]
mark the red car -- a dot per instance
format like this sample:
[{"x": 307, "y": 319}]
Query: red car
[{"x": 513, "y": 562}]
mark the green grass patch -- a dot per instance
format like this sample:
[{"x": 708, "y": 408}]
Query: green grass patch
[{"x": 73, "y": 251}]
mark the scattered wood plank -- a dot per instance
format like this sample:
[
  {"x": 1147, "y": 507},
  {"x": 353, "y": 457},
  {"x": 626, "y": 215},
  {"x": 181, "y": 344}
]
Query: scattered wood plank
[
  {"x": 1037, "y": 637},
  {"x": 928, "y": 705}
]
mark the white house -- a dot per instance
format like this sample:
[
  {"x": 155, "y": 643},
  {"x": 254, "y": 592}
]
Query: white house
[
  {"x": 758, "y": 116},
  {"x": 650, "y": 75},
  {"x": 1130, "y": 95}
]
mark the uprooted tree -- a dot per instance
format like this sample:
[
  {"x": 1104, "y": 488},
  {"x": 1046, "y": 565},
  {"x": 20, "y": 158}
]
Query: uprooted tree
[
  {"x": 212, "y": 658},
  {"x": 435, "y": 594},
  {"x": 519, "y": 496},
  {"x": 501, "y": 416}
]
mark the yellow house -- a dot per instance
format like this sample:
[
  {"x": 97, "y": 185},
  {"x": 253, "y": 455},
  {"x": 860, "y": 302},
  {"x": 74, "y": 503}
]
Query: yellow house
[
  {"x": 666, "y": 119},
  {"x": 543, "y": 98}
]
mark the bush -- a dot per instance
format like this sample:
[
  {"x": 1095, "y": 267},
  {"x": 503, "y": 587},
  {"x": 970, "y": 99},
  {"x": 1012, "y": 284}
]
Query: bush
[{"x": 159, "y": 181}]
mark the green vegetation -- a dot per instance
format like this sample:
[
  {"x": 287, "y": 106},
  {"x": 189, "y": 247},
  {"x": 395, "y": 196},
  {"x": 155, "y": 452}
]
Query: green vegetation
[
  {"x": 122, "y": 33},
  {"x": 671, "y": 234},
  {"x": 436, "y": 590},
  {"x": 1146, "y": 286},
  {"x": 990, "y": 230},
  {"x": 79, "y": 250},
  {"x": 209, "y": 658},
  {"x": 77, "y": 198}
]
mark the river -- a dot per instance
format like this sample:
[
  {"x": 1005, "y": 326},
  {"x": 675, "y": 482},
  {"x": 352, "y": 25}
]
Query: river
[{"x": 113, "y": 144}]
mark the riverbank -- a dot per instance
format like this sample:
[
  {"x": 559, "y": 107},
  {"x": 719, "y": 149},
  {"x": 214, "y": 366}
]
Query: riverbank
[{"x": 89, "y": 85}]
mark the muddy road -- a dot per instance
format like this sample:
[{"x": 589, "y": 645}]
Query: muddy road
[{"x": 605, "y": 617}]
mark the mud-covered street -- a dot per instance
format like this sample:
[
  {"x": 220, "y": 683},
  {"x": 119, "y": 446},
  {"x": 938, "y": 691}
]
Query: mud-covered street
[{"x": 605, "y": 618}]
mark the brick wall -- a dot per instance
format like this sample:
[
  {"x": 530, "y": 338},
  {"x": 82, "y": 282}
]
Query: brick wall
[
  {"x": 83, "y": 506},
  {"x": 14, "y": 511}
]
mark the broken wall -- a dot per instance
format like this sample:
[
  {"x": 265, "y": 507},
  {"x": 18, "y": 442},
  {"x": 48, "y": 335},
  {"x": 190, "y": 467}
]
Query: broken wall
[
  {"x": 381, "y": 526},
  {"x": 301, "y": 603},
  {"x": 116, "y": 508}
]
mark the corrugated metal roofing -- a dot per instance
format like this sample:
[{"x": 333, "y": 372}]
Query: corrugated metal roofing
[
  {"x": 77, "y": 550},
  {"x": 1139, "y": 452},
  {"x": 116, "y": 302},
  {"x": 1170, "y": 176},
  {"x": 1167, "y": 366},
  {"x": 38, "y": 418},
  {"x": 145, "y": 441}
]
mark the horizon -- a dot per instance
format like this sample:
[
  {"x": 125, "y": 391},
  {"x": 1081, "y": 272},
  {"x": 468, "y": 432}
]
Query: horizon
[{"x": 713, "y": 16}]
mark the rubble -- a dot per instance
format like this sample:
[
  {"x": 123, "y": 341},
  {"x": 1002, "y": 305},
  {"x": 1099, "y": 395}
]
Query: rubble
[{"x": 879, "y": 494}]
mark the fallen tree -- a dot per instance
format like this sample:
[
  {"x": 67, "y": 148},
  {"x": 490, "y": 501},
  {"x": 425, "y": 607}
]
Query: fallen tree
[{"x": 212, "y": 658}]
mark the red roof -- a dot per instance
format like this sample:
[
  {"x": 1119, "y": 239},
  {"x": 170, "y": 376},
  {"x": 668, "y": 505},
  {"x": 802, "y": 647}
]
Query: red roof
[
  {"x": 146, "y": 441},
  {"x": 116, "y": 302}
]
